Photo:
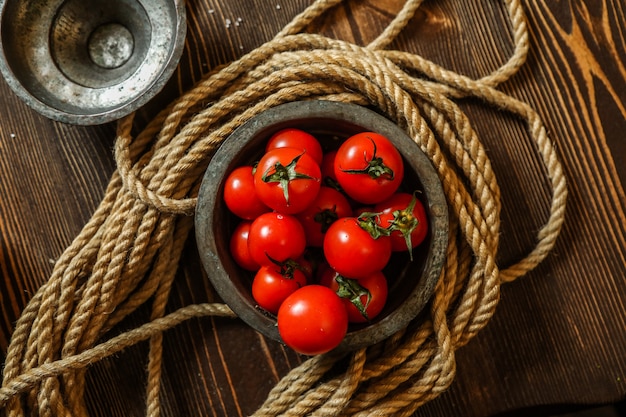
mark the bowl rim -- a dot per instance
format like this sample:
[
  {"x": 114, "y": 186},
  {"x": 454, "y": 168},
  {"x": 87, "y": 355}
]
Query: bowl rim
[{"x": 365, "y": 118}]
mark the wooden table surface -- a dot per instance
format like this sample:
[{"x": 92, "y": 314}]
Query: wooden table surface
[{"x": 559, "y": 334}]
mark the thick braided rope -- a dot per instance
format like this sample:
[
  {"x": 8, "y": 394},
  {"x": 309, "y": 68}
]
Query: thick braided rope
[{"x": 127, "y": 254}]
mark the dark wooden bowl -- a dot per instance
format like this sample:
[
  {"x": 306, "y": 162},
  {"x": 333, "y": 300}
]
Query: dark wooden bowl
[{"x": 411, "y": 283}]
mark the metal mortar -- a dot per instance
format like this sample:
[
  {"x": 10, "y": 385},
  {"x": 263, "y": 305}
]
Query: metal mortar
[{"x": 89, "y": 62}]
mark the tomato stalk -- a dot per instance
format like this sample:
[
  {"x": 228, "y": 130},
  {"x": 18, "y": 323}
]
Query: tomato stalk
[
  {"x": 284, "y": 174},
  {"x": 351, "y": 290},
  {"x": 375, "y": 168},
  {"x": 332, "y": 183},
  {"x": 405, "y": 222},
  {"x": 325, "y": 218},
  {"x": 287, "y": 267},
  {"x": 367, "y": 221}
]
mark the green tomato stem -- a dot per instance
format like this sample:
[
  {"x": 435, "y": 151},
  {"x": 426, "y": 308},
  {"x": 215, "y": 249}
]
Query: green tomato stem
[
  {"x": 350, "y": 289},
  {"x": 375, "y": 168},
  {"x": 284, "y": 174},
  {"x": 405, "y": 222},
  {"x": 367, "y": 221}
]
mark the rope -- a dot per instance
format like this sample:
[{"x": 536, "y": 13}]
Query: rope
[{"x": 128, "y": 252}]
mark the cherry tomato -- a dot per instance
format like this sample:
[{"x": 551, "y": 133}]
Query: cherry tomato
[
  {"x": 328, "y": 170},
  {"x": 328, "y": 206},
  {"x": 312, "y": 320},
  {"x": 240, "y": 196},
  {"x": 275, "y": 237},
  {"x": 364, "y": 298},
  {"x": 405, "y": 215},
  {"x": 287, "y": 180},
  {"x": 368, "y": 167},
  {"x": 296, "y": 138},
  {"x": 357, "y": 212},
  {"x": 307, "y": 264},
  {"x": 352, "y": 251},
  {"x": 239, "y": 247},
  {"x": 272, "y": 284}
]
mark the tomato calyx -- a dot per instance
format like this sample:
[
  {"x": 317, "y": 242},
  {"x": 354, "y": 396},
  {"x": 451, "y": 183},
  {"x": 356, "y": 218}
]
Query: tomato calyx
[
  {"x": 332, "y": 183},
  {"x": 326, "y": 217},
  {"x": 284, "y": 174},
  {"x": 351, "y": 290},
  {"x": 367, "y": 221},
  {"x": 375, "y": 169},
  {"x": 287, "y": 267},
  {"x": 404, "y": 221}
]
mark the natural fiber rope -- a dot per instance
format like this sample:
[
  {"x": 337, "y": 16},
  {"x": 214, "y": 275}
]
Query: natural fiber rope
[{"x": 127, "y": 254}]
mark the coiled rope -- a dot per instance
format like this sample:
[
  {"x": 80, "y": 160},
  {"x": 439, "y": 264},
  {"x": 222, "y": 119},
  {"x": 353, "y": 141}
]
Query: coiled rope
[{"x": 128, "y": 252}]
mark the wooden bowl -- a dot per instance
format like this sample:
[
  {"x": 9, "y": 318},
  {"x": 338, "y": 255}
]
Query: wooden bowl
[{"x": 411, "y": 283}]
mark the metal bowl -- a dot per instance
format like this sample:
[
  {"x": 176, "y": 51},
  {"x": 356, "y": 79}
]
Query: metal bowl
[
  {"x": 89, "y": 62},
  {"x": 411, "y": 283}
]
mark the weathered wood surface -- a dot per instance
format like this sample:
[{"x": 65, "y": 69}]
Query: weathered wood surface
[{"x": 559, "y": 334}]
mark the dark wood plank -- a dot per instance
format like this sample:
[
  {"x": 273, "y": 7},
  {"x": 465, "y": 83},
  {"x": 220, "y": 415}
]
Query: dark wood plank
[
  {"x": 559, "y": 333},
  {"x": 53, "y": 176},
  {"x": 553, "y": 330}
]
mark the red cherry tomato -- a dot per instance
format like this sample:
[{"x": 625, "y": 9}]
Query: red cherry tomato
[
  {"x": 287, "y": 180},
  {"x": 307, "y": 265},
  {"x": 328, "y": 170},
  {"x": 406, "y": 216},
  {"x": 364, "y": 298},
  {"x": 312, "y": 320},
  {"x": 352, "y": 251},
  {"x": 329, "y": 206},
  {"x": 240, "y": 196},
  {"x": 272, "y": 284},
  {"x": 275, "y": 237},
  {"x": 296, "y": 138},
  {"x": 328, "y": 165},
  {"x": 357, "y": 212},
  {"x": 239, "y": 247},
  {"x": 368, "y": 167}
]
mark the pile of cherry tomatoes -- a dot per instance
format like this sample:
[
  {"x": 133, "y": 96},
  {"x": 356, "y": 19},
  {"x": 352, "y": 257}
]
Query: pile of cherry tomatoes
[{"x": 344, "y": 205}]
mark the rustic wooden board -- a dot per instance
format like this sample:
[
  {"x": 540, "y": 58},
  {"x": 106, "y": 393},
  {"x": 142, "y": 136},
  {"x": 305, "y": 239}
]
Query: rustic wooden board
[{"x": 559, "y": 334}]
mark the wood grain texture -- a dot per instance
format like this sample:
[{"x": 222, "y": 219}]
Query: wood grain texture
[{"x": 559, "y": 334}]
